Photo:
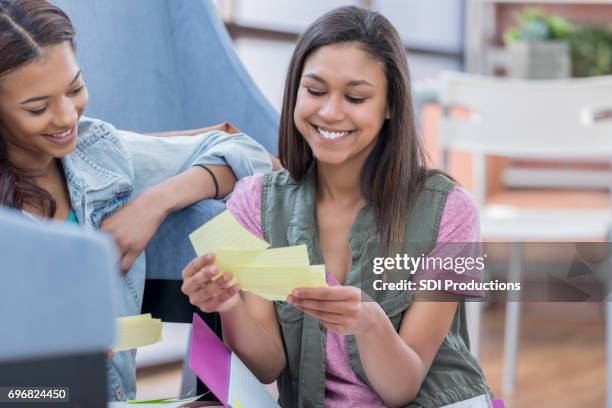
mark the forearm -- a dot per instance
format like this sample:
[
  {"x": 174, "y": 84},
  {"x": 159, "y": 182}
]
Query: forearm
[
  {"x": 192, "y": 186},
  {"x": 256, "y": 347},
  {"x": 224, "y": 127},
  {"x": 394, "y": 369}
]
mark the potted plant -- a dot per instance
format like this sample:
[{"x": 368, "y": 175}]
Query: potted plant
[
  {"x": 591, "y": 48},
  {"x": 539, "y": 46}
]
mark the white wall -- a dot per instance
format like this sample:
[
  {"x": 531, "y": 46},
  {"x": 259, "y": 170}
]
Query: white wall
[
  {"x": 284, "y": 15},
  {"x": 427, "y": 24},
  {"x": 431, "y": 24},
  {"x": 267, "y": 62},
  {"x": 435, "y": 25}
]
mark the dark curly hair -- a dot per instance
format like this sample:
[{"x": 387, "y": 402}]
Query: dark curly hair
[{"x": 26, "y": 27}]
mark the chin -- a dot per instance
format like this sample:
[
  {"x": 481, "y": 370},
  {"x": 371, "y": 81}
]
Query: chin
[
  {"x": 331, "y": 159},
  {"x": 64, "y": 151}
]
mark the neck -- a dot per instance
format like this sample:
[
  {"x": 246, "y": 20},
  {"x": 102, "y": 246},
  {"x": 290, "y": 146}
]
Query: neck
[
  {"x": 37, "y": 164},
  {"x": 339, "y": 184}
]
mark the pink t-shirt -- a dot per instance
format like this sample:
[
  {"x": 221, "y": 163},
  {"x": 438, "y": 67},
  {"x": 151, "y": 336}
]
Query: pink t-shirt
[{"x": 459, "y": 223}]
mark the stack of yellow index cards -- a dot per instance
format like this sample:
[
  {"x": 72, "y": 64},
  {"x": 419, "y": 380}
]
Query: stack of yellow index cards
[
  {"x": 270, "y": 273},
  {"x": 137, "y": 331}
]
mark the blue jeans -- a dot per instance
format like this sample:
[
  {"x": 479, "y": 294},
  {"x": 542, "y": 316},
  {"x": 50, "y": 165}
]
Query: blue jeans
[
  {"x": 170, "y": 249},
  {"x": 166, "y": 255}
]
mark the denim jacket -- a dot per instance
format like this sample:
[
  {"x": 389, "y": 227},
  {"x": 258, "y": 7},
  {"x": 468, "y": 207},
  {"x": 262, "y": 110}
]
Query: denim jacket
[{"x": 110, "y": 167}]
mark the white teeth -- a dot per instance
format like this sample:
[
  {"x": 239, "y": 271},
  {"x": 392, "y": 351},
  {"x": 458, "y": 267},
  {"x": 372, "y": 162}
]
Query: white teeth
[
  {"x": 61, "y": 135},
  {"x": 331, "y": 135}
]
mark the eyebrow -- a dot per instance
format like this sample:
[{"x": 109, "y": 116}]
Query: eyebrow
[
  {"x": 40, "y": 98},
  {"x": 354, "y": 82}
]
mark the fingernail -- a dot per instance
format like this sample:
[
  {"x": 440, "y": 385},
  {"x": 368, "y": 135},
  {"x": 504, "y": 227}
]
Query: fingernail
[
  {"x": 296, "y": 293},
  {"x": 227, "y": 278}
]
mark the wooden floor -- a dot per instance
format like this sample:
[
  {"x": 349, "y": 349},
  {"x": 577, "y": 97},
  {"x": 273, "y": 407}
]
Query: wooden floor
[
  {"x": 562, "y": 359},
  {"x": 561, "y": 364},
  {"x": 159, "y": 381}
]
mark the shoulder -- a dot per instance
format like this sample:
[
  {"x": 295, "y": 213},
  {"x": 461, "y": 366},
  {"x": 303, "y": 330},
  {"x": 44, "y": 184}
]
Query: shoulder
[
  {"x": 460, "y": 218},
  {"x": 95, "y": 134},
  {"x": 91, "y": 130},
  {"x": 280, "y": 178},
  {"x": 245, "y": 203},
  {"x": 460, "y": 201},
  {"x": 439, "y": 182},
  {"x": 100, "y": 157},
  {"x": 247, "y": 187},
  {"x": 434, "y": 191}
]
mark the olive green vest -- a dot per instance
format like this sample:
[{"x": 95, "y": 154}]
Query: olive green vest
[{"x": 289, "y": 218}]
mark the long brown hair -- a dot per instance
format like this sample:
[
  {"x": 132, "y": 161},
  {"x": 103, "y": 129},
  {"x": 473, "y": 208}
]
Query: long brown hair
[
  {"x": 395, "y": 170},
  {"x": 26, "y": 27}
]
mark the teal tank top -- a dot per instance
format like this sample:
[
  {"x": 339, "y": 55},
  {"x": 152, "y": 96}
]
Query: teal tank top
[{"x": 72, "y": 219}]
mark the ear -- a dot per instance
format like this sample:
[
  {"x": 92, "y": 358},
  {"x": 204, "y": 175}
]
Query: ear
[{"x": 388, "y": 113}]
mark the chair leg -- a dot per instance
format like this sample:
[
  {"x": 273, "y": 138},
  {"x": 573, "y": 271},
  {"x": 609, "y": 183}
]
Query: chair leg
[
  {"x": 608, "y": 324},
  {"x": 189, "y": 378},
  {"x": 473, "y": 312},
  {"x": 512, "y": 329},
  {"x": 609, "y": 353}
]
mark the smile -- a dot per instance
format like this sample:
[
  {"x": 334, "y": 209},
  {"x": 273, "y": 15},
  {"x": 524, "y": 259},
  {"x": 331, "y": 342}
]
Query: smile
[
  {"x": 59, "y": 135},
  {"x": 62, "y": 138},
  {"x": 331, "y": 135}
]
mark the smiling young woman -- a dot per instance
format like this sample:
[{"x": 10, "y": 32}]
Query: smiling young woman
[
  {"x": 37, "y": 130},
  {"x": 341, "y": 105},
  {"x": 56, "y": 163},
  {"x": 356, "y": 186}
]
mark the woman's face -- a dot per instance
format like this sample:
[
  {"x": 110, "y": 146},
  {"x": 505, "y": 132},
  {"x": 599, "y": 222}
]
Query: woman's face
[
  {"x": 341, "y": 103},
  {"x": 40, "y": 107}
]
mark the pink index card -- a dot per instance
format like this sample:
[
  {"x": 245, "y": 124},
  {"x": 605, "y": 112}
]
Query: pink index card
[
  {"x": 498, "y": 404},
  {"x": 210, "y": 359}
]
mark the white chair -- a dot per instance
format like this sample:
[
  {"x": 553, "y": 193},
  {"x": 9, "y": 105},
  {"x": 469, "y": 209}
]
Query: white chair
[{"x": 551, "y": 119}]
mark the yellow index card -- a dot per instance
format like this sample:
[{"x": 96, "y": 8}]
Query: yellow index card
[
  {"x": 137, "y": 331},
  {"x": 319, "y": 270},
  {"x": 277, "y": 282},
  {"x": 225, "y": 232},
  {"x": 276, "y": 268},
  {"x": 271, "y": 273},
  {"x": 297, "y": 255}
]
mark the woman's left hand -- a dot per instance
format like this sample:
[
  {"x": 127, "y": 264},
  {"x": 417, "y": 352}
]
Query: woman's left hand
[
  {"x": 339, "y": 308},
  {"x": 133, "y": 226}
]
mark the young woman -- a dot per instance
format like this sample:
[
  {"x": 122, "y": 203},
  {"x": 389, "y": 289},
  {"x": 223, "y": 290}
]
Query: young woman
[
  {"x": 56, "y": 164},
  {"x": 355, "y": 180}
]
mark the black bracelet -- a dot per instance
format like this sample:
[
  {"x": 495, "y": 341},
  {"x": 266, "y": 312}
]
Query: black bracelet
[{"x": 216, "y": 197}]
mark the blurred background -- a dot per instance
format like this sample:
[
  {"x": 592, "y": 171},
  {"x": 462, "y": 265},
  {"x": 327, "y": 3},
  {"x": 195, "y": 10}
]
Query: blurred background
[{"x": 540, "y": 354}]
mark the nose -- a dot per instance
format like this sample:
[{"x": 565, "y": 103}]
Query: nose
[
  {"x": 332, "y": 110},
  {"x": 66, "y": 114}
]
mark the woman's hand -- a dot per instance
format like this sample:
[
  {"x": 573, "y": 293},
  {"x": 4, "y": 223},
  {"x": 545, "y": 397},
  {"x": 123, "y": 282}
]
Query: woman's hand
[
  {"x": 339, "y": 308},
  {"x": 209, "y": 295},
  {"x": 133, "y": 226}
]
